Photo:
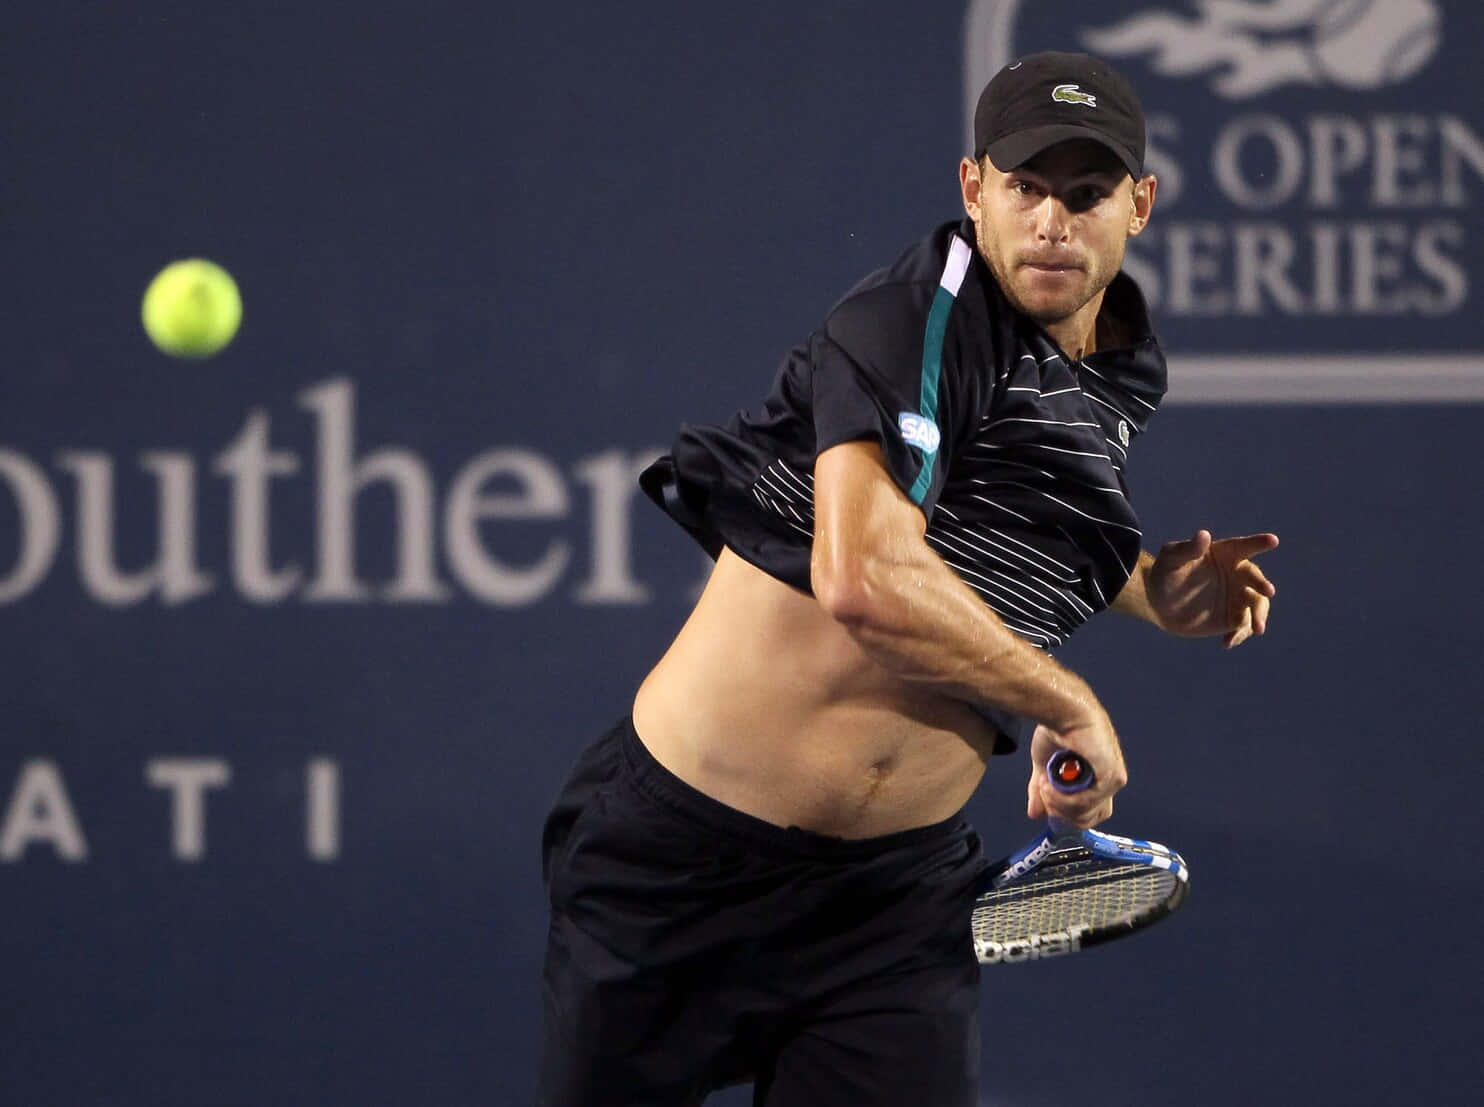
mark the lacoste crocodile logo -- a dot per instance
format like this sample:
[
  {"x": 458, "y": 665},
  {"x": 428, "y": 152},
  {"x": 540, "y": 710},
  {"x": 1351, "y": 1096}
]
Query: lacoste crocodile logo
[{"x": 1071, "y": 94}]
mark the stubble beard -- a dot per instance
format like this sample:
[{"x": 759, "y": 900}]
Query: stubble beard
[{"x": 1046, "y": 314}]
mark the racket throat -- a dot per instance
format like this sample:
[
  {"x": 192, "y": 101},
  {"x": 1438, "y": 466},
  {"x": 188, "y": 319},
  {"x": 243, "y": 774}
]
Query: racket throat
[{"x": 1036, "y": 947}]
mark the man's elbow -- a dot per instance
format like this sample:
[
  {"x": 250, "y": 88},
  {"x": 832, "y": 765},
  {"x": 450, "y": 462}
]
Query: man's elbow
[{"x": 843, "y": 583}]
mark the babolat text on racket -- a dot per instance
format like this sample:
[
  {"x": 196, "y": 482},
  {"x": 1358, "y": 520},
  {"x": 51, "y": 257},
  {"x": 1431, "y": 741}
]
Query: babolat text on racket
[{"x": 1071, "y": 889}]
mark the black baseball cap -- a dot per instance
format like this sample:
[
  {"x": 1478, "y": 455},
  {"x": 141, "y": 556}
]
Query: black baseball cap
[{"x": 1043, "y": 99}]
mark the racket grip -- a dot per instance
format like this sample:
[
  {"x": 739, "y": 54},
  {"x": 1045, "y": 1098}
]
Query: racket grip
[{"x": 1068, "y": 773}]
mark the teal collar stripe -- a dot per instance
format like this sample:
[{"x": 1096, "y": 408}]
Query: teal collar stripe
[{"x": 949, "y": 283}]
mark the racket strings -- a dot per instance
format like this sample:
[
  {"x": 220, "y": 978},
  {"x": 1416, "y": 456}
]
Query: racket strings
[{"x": 1092, "y": 894}]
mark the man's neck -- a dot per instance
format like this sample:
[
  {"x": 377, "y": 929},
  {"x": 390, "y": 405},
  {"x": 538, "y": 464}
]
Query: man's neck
[{"x": 1077, "y": 335}]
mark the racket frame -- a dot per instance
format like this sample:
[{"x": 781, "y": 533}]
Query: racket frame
[{"x": 1053, "y": 847}]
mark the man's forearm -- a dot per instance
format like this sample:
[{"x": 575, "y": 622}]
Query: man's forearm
[
  {"x": 872, "y": 570},
  {"x": 913, "y": 614}
]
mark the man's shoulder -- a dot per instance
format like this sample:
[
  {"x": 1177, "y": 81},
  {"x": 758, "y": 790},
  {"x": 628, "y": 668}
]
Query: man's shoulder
[{"x": 901, "y": 295}]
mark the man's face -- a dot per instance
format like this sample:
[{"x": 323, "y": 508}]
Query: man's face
[{"x": 1053, "y": 230}]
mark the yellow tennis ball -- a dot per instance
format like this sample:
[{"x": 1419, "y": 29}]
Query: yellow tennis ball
[{"x": 192, "y": 308}]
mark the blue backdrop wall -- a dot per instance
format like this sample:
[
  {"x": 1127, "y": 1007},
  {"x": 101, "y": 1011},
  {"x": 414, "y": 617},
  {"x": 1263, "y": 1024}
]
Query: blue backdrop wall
[{"x": 296, "y": 643}]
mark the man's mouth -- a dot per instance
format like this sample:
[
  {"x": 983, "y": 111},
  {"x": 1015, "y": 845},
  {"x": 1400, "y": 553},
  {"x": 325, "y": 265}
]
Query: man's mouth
[{"x": 1047, "y": 265}]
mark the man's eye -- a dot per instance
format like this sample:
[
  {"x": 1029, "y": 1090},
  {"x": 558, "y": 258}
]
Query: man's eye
[{"x": 1085, "y": 198}]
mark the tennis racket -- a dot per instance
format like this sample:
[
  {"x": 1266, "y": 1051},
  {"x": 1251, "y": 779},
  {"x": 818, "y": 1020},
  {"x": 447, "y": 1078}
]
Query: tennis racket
[{"x": 1071, "y": 889}]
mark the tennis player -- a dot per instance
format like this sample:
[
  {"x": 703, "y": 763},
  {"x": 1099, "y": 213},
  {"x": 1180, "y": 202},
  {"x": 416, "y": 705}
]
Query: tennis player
[{"x": 763, "y": 873}]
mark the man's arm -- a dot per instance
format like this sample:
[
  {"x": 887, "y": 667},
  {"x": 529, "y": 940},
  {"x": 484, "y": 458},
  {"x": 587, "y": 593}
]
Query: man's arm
[
  {"x": 1200, "y": 588},
  {"x": 873, "y": 570},
  {"x": 1134, "y": 599}
]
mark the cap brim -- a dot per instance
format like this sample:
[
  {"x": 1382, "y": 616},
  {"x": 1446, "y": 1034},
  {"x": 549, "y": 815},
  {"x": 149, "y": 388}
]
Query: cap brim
[{"x": 1015, "y": 150}]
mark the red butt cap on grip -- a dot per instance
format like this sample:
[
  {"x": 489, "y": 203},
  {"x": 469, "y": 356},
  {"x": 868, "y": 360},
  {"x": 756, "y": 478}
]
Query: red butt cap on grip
[{"x": 1068, "y": 772}]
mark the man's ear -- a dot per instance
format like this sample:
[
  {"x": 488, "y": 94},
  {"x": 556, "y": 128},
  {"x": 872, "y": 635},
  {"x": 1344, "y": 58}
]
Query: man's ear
[
  {"x": 970, "y": 184},
  {"x": 1142, "y": 204}
]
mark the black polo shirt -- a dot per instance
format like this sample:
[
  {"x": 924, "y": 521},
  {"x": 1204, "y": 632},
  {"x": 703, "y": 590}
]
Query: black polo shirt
[{"x": 1016, "y": 453}]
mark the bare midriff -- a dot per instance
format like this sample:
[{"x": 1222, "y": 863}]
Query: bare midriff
[{"x": 767, "y": 703}]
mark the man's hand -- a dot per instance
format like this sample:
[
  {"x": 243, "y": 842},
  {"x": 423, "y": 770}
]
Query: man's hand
[
  {"x": 1199, "y": 587},
  {"x": 1097, "y": 744}
]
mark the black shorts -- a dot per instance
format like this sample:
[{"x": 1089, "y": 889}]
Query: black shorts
[{"x": 693, "y": 946}]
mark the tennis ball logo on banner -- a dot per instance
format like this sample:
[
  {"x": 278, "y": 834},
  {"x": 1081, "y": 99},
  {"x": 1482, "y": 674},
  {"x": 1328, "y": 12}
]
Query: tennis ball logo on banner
[{"x": 1369, "y": 44}]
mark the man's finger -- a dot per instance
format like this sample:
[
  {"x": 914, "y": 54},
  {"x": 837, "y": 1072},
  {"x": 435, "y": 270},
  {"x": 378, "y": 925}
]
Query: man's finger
[
  {"x": 1253, "y": 577},
  {"x": 1091, "y": 816},
  {"x": 1034, "y": 808},
  {"x": 1189, "y": 549},
  {"x": 1258, "y": 605},
  {"x": 1248, "y": 545},
  {"x": 1241, "y": 632}
]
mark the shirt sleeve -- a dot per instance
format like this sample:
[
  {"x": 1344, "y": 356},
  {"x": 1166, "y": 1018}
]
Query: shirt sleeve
[{"x": 886, "y": 369}]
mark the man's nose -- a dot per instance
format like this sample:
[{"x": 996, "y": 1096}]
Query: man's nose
[{"x": 1052, "y": 221}]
